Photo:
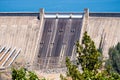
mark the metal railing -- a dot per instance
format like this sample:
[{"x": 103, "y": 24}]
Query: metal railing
[
  {"x": 14, "y": 57},
  {"x": 7, "y": 50},
  {"x": 8, "y": 57},
  {"x": 2, "y": 49}
]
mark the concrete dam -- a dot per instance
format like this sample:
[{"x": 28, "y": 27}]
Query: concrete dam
[{"x": 43, "y": 40}]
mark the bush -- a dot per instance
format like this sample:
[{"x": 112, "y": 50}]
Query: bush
[{"x": 23, "y": 74}]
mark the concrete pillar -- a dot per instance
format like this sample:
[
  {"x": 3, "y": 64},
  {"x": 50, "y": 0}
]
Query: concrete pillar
[
  {"x": 86, "y": 19},
  {"x": 57, "y": 16},
  {"x": 85, "y": 23},
  {"x": 41, "y": 28},
  {"x": 70, "y": 16},
  {"x": 86, "y": 12},
  {"x": 41, "y": 15}
]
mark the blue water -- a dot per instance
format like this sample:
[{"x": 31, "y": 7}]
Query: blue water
[{"x": 59, "y": 5}]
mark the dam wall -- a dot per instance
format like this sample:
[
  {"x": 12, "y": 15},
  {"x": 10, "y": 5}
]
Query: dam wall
[
  {"x": 104, "y": 14},
  {"x": 46, "y": 39},
  {"x": 43, "y": 38},
  {"x": 20, "y": 30}
]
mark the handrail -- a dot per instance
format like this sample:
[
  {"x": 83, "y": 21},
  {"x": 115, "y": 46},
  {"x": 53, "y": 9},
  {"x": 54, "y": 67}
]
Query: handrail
[
  {"x": 8, "y": 57},
  {"x": 14, "y": 57},
  {"x": 63, "y": 16},
  {"x": 2, "y": 68},
  {"x": 2, "y": 49},
  {"x": 4, "y": 53}
]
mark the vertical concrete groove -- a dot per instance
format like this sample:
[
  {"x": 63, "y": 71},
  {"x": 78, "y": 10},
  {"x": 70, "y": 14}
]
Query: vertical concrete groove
[
  {"x": 85, "y": 24},
  {"x": 36, "y": 51}
]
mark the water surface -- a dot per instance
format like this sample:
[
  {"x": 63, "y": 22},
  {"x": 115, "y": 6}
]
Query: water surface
[{"x": 59, "y": 5}]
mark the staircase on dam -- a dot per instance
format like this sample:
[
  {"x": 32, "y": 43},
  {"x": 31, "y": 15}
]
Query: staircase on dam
[
  {"x": 58, "y": 39},
  {"x": 7, "y": 56}
]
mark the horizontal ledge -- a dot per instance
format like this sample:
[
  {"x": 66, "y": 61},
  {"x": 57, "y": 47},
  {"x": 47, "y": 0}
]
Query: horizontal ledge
[{"x": 63, "y": 16}]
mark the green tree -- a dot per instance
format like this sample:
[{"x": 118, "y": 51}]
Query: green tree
[
  {"x": 90, "y": 60},
  {"x": 114, "y": 59},
  {"x": 73, "y": 71},
  {"x": 32, "y": 76},
  {"x": 89, "y": 56},
  {"x": 23, "y": 74},
  {"x": 19, "y": 74}
]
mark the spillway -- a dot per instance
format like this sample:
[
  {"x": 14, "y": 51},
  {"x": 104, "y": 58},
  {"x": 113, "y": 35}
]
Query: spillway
[{"x": 58, "y": 39}]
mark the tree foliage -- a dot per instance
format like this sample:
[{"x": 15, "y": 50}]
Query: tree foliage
[
  {"x": 114, "y": 59},
  {"x": 23, "y": 74},
  {"x": 90, "y": 60},
  {"x": 88, "y": 55}
]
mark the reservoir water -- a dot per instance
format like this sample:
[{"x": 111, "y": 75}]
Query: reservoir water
[{"x": 59, "y": 5}]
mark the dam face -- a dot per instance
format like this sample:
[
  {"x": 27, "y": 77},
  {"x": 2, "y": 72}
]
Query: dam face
[{"x": 19, "y": 31}]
